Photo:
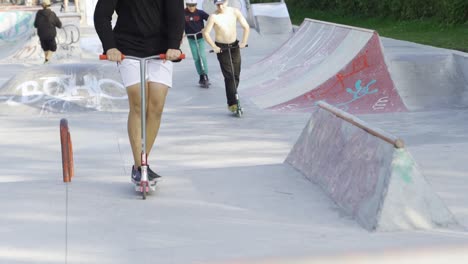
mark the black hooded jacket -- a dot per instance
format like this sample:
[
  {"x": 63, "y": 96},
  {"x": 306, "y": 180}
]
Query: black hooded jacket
[
  {"x": 144, "y": 27},
  {"x": 46, "y": 21}
]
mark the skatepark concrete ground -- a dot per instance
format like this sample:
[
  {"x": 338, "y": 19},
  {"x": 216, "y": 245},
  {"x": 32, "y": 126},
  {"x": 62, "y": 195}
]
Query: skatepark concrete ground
[{"x": 226, "y": 196}]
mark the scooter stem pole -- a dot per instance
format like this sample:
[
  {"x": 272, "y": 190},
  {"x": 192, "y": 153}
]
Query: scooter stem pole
[{"x": 143, "y": 110}]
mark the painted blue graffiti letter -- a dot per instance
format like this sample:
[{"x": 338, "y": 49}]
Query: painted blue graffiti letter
[{"x": 357, "y": 94}]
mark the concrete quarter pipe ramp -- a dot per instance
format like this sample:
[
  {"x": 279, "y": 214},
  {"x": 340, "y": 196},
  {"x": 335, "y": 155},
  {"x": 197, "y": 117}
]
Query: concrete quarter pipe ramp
[{"x": 341, "y": 65}]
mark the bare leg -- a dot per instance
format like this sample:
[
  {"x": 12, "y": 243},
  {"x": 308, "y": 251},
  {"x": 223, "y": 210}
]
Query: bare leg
[
  {"x": 156, "y": 99},
  {"x": 48, "y": 54},
  {"x": 77, "y": 6},
  {"x": 134, "y": 122}
]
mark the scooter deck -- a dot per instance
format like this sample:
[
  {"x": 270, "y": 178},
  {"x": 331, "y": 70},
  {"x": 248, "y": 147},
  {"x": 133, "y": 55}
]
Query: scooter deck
[
  {"x": 149, "y": 188},
  {"x": 204, "y": 85},
  {"x": 239, "y": 112}
]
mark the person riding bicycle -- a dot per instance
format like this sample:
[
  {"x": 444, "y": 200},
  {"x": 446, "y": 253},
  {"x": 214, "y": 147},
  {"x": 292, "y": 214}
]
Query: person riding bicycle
[
  {"x": 193, "y": 26},
  {"x": 224, "y": 22},
  {"x": 143, "y": 28}
]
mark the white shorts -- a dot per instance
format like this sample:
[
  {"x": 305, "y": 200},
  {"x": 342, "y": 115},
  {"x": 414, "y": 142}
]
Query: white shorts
[{"x": 156, "y": 71}]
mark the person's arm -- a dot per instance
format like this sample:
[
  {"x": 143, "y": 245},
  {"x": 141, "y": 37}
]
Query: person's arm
[
  {"x": 207, "y": 31},
  {"x": 103, "y": 23},
  {"x": 245, "y": 26},
  {"x": 204, "y": 15},
  {"x": 175, "y": 21},
  {"x": 58, "y": 23}
]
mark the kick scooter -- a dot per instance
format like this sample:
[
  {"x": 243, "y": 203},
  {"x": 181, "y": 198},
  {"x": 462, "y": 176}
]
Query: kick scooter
[
  {"x": 144, "y": 186},
  {"x": 206, "y": 83},
  {"x": 239, "y": 111}
]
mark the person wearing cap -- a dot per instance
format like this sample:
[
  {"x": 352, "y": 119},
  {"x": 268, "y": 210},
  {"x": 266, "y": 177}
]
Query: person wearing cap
[
  {"x": 224, "y": 22},
  {"x": 143, "y": 28},
  {"x": 46, "y": 21},
  {"x": 193, "y": 26}
]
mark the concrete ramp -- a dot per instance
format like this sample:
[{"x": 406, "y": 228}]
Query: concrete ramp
[
  {"x": 428, "y": 78},
  {"x": 271, "y": 18},
  {"x": 209, "y": 7},
  {"x": 17, "y": 33},
  {"x": 341, "y": 65},
  {"x": 364, "y": 172},
  {"x": 244, "y": 6}
]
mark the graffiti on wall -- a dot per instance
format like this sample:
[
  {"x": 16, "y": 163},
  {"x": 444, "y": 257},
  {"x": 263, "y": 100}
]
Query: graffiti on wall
[
  {"x": 362, "y": 86},
  {"x": 59, "y": 93},
  {"x": 15, "y": 25}
]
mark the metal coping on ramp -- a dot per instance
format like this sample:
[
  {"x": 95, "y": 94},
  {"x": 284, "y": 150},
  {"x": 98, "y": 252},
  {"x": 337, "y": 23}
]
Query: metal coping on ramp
[
  {"x": 395, "y": 141},
  {"x": 372, "y": 178},
  {"x": 322, "y": 61}
]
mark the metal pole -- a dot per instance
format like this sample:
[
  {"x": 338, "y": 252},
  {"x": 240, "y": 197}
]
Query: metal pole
[{"x": 143, "y": 113}]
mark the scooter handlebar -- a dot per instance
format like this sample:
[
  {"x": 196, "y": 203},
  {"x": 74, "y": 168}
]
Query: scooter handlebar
[
  {"x": 211, "y": 51},
  {"x": 104, "y": 57},
  {"x": 160, "y": 56}
]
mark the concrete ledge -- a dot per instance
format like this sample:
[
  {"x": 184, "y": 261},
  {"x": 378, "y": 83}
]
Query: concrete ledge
[{"x": 378, "y": 185}]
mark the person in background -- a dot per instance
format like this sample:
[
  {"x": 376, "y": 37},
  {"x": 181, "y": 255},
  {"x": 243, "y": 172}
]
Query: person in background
[
  {"x": 193, "y": 26},
  {"x": 46, "y": 21},
  {"x": 224, "y": 22}
]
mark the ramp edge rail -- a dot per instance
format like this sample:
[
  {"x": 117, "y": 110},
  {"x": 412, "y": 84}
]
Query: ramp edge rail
[{"x": 395, "y": 141}]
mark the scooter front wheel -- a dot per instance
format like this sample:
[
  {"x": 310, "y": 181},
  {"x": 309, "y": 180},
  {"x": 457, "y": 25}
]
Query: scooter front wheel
[
  {"x": 144, "y": 189},
  {"x": 239, "y": 112}
]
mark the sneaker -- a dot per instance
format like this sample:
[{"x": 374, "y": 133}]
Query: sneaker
[
  {"x": 46, "y": 61},
  {"x": 202, "y": 79},
  {"x": 136, "y": 175},
  {"x": 233, "y": 108},
  {"x": 153, "y": 177}
]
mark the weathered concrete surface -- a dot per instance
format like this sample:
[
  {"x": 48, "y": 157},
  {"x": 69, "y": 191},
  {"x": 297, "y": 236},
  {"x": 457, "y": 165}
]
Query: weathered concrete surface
[
  {"x": 226, "y": 196},
  {"x": 380, "y": 186}
]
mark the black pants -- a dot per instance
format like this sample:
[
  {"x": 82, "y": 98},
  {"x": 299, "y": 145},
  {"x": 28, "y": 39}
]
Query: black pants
[{"x": 231, "y": 73}]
